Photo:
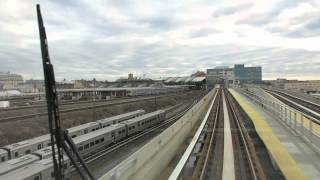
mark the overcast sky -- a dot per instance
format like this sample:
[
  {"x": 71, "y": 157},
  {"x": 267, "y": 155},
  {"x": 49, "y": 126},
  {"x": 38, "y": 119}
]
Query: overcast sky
[{"x": 108, "y": 39}]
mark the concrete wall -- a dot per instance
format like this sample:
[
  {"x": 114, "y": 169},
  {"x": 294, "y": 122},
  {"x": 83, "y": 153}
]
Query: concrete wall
[{"x": 149, "y": 161}]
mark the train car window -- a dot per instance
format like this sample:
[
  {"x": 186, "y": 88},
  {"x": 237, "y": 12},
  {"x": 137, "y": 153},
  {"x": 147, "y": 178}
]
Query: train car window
[
  {"x": 123, "y": 130},
  {"x": 16, "y": 154},
  {"x": 80, "y": 148},
  {"x": 104, "y": 126},
  {"x": 85, "y": 131},
  {"x": 119, "y": 132},
  {"x": 86, "y": 146},
  {"x": 93, "y": 130},
  {"x": 114, "y": 122},
  {"x": 102, "y": 139},
  {"x": 65, "y": 165},
  {"x": 28, "y": 151},
  {"x": 52, "y": 174},
  {"x": 3, "y": 159},
  {"x": 92, "y": 144},
  {"x": 36, "y": 178},
  {"x": 74, "y": 136},
  {"x": 97, "y": 141},
  {"x": 39, "y": 146},
  {"x": 49, "y": 144},
  {"x": 97, "y": 128}
]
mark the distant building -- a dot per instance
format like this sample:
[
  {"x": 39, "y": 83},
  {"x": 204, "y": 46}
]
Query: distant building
[
  {"x": 130, "y": 76},
  {"x": 238, "y": 74},
  {"x": 80, "y": 84},
  {"x": 10, "y": 81},
  {"x": 33, "y": 86},
  {"x": 219, "y": 75},
  {"x": 247, "y": 74}
]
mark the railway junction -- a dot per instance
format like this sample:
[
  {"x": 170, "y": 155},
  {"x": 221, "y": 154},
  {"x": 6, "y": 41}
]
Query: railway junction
[{"x": 224, "y": 133}]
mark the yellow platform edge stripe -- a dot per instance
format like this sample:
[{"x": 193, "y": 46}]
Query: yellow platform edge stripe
[{"x": 285, "y": 161}]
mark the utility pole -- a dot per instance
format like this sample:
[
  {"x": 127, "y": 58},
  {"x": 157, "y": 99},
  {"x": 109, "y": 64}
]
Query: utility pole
[{"x": 60, "y": 140}]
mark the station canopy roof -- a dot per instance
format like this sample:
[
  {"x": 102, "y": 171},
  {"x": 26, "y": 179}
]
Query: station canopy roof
[{"x": 198, "y": 79}]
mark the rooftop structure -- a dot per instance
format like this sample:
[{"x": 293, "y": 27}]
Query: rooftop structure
[
  {"x": 238, "y": 74},
  {"x": 10, "y": 81}
]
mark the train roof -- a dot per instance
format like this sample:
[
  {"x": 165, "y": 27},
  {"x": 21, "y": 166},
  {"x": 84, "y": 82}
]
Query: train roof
[
  {"x": 82, "y": 126},
  {"x": 29, "y": 170},
  {"x": 27, "y": 142},
  {"x": 10, "y": 165},
  {"x": 96, "y": 133},
  {"x": 2, "y": 151},
  {"x": 44, "y": 152},
  {"x": 139, "y": 118},
  {"x": 121, "y": 116}
]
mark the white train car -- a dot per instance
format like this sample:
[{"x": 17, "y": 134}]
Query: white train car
[
  {"x": 87, "y": 144},
  {"x": 140, "y": 123},
  {"x": 19, "y": 149},
  {"x": 119, "y": 118},
  {"x": 4, "y": 156},
  {"x": 14, "y": 164},
  {"x": 83, "y": 129},
  {"x": 93, "y": 126},
  {"x": 26, "y": 147},
  {"x": 40, "y": 170},
  {"x": 90, "y": 143}
]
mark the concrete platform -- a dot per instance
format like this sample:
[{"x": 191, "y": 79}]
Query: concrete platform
[{"x": 295, "y": 158}]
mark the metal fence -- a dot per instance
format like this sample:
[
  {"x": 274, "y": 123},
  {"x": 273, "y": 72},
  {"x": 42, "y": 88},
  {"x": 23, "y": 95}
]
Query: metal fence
[{"x": 302, "y": 124}]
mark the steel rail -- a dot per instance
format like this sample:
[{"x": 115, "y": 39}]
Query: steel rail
[
  {"x": 176, "y": 172},
  {"x": 213, "y": 133},
  {"x": 244, "y": 140},
  {"x": 118, "y": 145},
  {"x": 295, "y": 97},
  {"x": 298, "y": 106},
  {"x": 35, "y": 115}
]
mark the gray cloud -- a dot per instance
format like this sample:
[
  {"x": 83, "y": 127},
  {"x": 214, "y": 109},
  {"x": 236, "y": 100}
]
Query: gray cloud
[
  {"x": 310, "y": 29},
  {"x": 229, "y": 10},
  {"x": 266, "y": 18},
  {"x": 86, "y": 41}
]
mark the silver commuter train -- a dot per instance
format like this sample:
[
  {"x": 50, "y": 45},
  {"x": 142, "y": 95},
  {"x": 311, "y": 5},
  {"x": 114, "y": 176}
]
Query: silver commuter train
[
  {"x": 91, "y": 143},
  {"x": 13, "y": 164},
  {"x": 16, "y": 150},
  {"x": 39, "y": 170}
]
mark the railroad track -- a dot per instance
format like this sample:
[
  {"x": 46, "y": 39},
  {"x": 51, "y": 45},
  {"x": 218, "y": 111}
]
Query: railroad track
[
  {"x": 110, "y": 103},
  {"x": 247, "y": 164},
  {"x": 148, "y": 134},
  {"x": 213, "y": 159},
  {"x": 43, "y": 105},
  {"x": 299, "y": 104},
  {"x": 210, "y": 160}
]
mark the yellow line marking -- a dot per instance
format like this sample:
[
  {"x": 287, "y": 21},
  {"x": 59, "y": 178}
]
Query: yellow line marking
[{"x": 285, "y": 161}]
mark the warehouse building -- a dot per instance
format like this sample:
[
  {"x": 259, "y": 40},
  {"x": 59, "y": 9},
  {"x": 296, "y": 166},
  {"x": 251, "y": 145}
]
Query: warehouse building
[{"x": 10, "y": 81}]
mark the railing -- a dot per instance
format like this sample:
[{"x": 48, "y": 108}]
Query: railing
[{"x": 302, "y": 124}]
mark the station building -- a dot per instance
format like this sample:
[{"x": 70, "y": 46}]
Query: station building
[{"x": 236, "y": 75}]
